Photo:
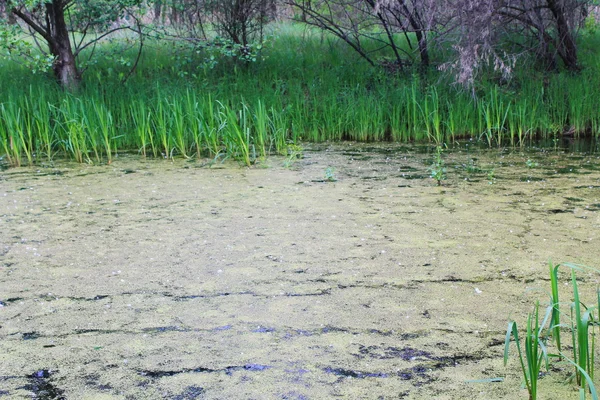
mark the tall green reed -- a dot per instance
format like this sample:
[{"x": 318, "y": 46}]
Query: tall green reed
[
  {"x": 105, "y": 127},
  {"x": 236, "y": 132},
  {"x": 583, "y": 347},
  {"x": 307, "y": 87},
  {"x": 581, "y": 325},
  {"x": 534, "y": 354},
  {"x": 11, "y": 130},
  {"x": 141, "y": 119}
]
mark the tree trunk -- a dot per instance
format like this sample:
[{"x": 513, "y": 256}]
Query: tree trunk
[
  {"x": 5, "y": 13},
  {"x": 64, "y": 65},
  {"x": 56, "y": 34},
  {"x": 414, "y": 19},
  {"x": 423, "y": 48},
  {"x": 65, "y": 68},
  {"x": 566, "y": 47},
  {"x": 157, "y": 11}
]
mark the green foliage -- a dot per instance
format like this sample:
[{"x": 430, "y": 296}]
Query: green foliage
[
  {"x": 581, "y": 325},
  {"x": 534, "y": 354},
  {"x": 330, "y": 174},
  {"x": 294, "y": 152},
  {"x": 226, "y": 47},
  {"x": 438, "y": 168},
  {"x": 54, "y": 33},
  {"x": 590, "y": 26},
  {"x": 98, "y": 15},
  {"x": 299, "y": 88},
  {"x": 471, "y": 167},
  {"x": 531, "y": 164},
  {"x": 197, "y": 59},
  {"x": 555, "y": 303},
  {"x": 14, "y": 46},
  {"x": 491, "y": 175},
  {"x": 582, "y": 348}
]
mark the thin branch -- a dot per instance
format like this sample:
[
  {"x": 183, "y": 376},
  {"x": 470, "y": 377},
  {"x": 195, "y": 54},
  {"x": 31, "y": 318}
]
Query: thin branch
[
  {"x": 29, "y": 19},
  {"x": 139, "y": 55},
  {"x": 120, "y": 28}
]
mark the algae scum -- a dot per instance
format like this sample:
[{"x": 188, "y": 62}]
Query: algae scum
[{"x": 347, "y": 274}]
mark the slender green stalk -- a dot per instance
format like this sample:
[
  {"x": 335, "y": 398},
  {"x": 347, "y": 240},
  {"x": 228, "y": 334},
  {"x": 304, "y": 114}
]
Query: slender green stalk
[
  {"x": 193, "y": 122},
  {"x": 10, "y": 133},
  {"x": 104, "y": 121},
  {"x": 141, "y": 119},
  {"x": 237, "y": 132},
  {"x": 306, "y": 87},
  {"x": 44, "y": 130},
  {"x": 162, "y": 126},
  {"x": 581, "y": 343},
  {"x": 555, "y": 303},
  {"x": 212, "y": 126},
  {"x": 261, "y": 126},
  {"x": 534, "y": 355}
]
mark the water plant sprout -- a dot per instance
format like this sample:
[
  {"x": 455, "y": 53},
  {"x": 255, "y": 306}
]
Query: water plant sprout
[
  {"x": 438, "y": 168},
  {"x": 330, "y": 174},
  {"x": 533, "y": 352}
]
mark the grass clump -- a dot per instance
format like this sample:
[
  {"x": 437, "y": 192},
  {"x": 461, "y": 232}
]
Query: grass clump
[
  {"x": 534, "y": 353},
  {"x": 438, "y": 168},
  {"x": 330, "y": 174},
  {"x": 305, "y": 86},
  {"x": 581, "y": 324}
]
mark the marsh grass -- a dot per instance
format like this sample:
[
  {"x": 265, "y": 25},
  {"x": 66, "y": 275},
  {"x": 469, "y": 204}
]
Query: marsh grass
[
  {"x": 534, "y": 354},
  {"x": 306, "y": 86},
  {"x": 438, "y": 168},
  {"x": 583, "y": 342},
  {"x": 581, "y": 325}
]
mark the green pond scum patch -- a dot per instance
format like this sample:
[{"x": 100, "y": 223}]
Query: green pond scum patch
[{"x": 275, "y": 283}]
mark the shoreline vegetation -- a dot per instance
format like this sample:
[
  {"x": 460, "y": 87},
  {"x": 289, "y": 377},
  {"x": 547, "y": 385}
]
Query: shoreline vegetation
[{"x": 304, "y": 86}]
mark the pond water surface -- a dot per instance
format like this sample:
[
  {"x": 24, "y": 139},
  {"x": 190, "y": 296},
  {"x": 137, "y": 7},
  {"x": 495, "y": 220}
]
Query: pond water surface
[{"x": 347, "y": 273}]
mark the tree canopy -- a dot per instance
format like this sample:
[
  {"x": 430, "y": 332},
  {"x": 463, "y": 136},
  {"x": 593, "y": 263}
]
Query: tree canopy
[{"x": 475, "y": 33}]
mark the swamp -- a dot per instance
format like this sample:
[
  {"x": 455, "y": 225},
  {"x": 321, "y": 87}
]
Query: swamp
[
  {"x": 347, "y": 274},
  {"x": 299, "y": 200}
]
